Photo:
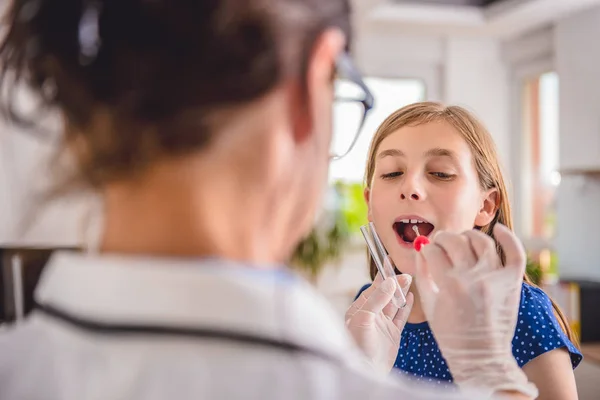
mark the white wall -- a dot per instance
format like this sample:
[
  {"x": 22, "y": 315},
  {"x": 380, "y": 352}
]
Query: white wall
[
  {"x": 578, "y": 64},
  {"x": 25, "y": 171},
  {"x": 459, "y": 70},
  {"x": 476, "y": 77},
  {"x": 382, "y": 50}
]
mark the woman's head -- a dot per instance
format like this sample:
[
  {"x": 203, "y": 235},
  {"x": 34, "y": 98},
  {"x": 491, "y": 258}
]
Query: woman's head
[
  {"x": 209, "y": 90},
  {"x": 436, "y": 164}
]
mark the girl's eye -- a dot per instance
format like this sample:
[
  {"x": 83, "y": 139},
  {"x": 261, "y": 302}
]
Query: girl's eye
[
  {"x": 442, "y": 175},
  {"x": 391, "y": 175}
]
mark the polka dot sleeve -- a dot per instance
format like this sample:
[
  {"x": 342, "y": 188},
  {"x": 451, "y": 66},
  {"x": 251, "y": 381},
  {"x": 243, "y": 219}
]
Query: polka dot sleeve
[{"x": 538, "y": 330}]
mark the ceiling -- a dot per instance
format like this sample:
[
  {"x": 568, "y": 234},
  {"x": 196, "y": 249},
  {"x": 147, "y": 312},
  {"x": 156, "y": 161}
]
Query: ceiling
[
  {"x": 503, "y": 19},
  {"x": 477, "y": 3}
]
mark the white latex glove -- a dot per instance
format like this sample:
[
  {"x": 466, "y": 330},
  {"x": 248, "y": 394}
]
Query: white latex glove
[
  {"x": 376, "y": 324},
  {"x": 471, "y": 302}
]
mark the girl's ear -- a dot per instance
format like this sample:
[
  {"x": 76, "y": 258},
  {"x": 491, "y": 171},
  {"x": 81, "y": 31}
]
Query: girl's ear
[
  {"x": 489, "y": 206},
  {"x": 367, "y": 194}
]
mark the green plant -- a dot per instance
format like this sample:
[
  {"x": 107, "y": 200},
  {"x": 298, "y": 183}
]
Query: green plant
[
  {"x": 320, "y": 247},
  {"x": 553, "y": 269},
  {"x": 343, "y": 218},
  {"x": 326, "y": 240},
  {"x": 534, "y": 271},
  {"x": 354, "y": 207}
]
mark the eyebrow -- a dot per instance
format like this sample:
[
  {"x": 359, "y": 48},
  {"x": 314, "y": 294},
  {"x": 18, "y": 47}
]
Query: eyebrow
[
  {"x": 435, "y": 152},
  {"x": 391, "y": 153},
  {"x": 439, "y": 152}
]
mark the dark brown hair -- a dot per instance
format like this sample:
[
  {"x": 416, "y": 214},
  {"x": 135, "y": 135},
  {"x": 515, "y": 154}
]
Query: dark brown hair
[
  {"x": 486, "y": 161},
  {"x": 139, "y": 79}
]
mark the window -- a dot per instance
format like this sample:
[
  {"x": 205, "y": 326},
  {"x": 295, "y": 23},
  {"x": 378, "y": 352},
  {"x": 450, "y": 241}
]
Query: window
[
  {"x": 390, "y": 95},
  {"x": 539, "y": 175},
  {"x": 540, "y": 155}
]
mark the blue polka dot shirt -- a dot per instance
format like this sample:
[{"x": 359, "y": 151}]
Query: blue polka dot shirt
[{"x": 537, "y": 332}]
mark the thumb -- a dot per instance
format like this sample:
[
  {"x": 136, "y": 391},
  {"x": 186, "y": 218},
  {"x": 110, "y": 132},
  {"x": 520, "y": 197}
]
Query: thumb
[
  {"x": 426, "y": 286},
  {"x": 381, "y": 296},
  {"x": 513, "y": 249},
  {"x": 423, "y": 279},
  {"x": 514, "y": 269}
]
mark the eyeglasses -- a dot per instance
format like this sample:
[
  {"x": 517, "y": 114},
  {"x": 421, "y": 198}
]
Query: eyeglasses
[{"x": 353, "y": 101}]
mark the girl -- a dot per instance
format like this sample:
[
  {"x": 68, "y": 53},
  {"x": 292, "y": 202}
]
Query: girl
[{"x": 436, "y": 168}]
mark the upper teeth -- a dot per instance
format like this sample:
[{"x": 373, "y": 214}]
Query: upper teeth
[{"x": 412, "y": 221}]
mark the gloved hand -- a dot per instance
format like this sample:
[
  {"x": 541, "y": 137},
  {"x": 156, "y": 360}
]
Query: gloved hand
[
  {"x": 376, "y": 324},
  {"x": 471, "y": 302}
]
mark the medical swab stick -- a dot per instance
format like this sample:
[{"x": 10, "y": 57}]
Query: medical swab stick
[{"x": 420, "y": 240}]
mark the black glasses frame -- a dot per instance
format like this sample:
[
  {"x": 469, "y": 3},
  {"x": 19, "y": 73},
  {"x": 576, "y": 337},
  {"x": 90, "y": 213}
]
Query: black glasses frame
[{"x": 346, "y": 69}]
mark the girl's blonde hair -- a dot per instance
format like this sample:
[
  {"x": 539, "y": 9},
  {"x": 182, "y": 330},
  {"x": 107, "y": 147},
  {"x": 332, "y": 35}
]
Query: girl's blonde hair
[{"x": 485, "y": 159}]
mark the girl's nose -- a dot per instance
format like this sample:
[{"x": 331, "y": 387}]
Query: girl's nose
[{"x": 414, "y": 196}]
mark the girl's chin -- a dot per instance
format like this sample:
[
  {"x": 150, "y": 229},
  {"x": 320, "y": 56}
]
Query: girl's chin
[{"x": 406, "y": 264}]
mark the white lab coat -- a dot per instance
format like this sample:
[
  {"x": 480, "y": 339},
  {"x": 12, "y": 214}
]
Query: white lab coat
[{"x": 85, "y": 357}]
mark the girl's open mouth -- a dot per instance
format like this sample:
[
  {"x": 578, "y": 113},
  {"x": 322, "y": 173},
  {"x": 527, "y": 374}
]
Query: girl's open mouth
[{"x": 405, "y": 229}]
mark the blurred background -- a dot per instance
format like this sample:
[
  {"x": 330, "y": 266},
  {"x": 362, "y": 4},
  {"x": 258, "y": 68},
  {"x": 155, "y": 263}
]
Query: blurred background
[{"x": 529, "y": 69}]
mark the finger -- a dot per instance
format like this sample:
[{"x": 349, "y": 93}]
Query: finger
[
  {"x": 515, "y": 262},
  {"x": 485, "y": 250},
  {"x": 403, "y": 313},
  {"x": 507, "y": 285},
  {"x": 388, "y": 267},
  {"x": 378, "y": 279},
  {"x": 514, "y": 294},
  {"x": 364, "y": 296},
  {"x": 390, "y": 310},
  {"x": 480, "y": 242},
  {"x": 380, "y": 297},
  {"x": 426, "y": 286},
  {"x": 367, "y": 292},
  {"x": 423, "y": 277},
  {"x": 354, "y": 307},
  {"x": 360, "y": 301},
  {"x": 458, "y": 249},
  {"x": 512, "y": 246},
  {"x": 438, "y": 263},
  {"x": 404, "y": 282}
]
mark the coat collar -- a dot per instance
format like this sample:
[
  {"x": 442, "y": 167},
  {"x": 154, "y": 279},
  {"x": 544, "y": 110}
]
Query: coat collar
[{"x": 200, "y": 293}]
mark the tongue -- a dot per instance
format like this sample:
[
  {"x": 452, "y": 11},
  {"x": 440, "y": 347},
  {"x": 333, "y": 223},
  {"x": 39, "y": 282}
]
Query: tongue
[{"x": 409, "y": 233}]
